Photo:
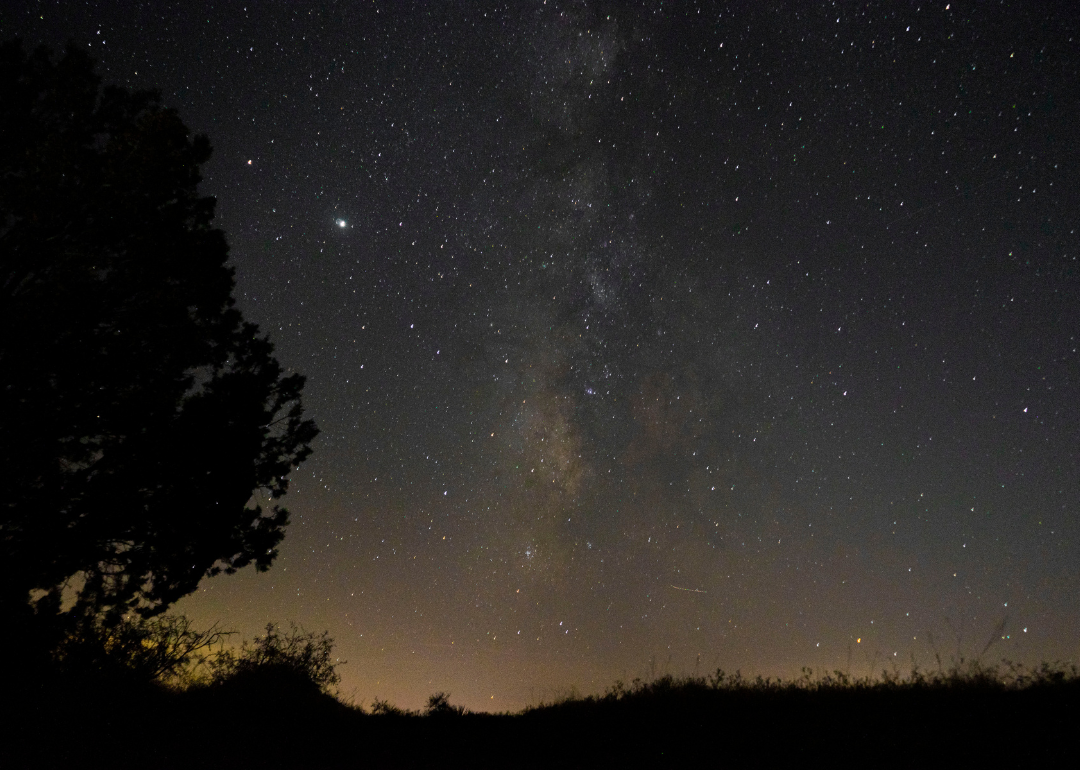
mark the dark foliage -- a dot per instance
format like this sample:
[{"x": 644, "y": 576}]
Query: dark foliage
[
  {"x": 142, "y": 420},
  {"x": 164, "y": 650},
  {"x": 439, "y": 705},
  {"x": 302, "y": 658},
  {"x": 975, "y": 717}
]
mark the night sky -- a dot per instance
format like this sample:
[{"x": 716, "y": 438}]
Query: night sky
[{"x": 647, "y": 338}]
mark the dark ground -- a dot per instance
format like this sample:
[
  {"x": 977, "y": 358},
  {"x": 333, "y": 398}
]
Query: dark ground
[{"x": 666, "y": 724}]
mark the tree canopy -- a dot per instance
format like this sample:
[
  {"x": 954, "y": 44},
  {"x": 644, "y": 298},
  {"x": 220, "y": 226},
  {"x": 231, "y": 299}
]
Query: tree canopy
[{"x": 146, "y": 429}]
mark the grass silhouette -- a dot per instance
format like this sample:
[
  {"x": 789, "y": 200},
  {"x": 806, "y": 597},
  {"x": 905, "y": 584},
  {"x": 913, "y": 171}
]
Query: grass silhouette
[{"x": 279, "y": 710}]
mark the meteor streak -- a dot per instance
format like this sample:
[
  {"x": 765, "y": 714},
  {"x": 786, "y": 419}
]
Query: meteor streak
[{"x": 691, "y": 590}]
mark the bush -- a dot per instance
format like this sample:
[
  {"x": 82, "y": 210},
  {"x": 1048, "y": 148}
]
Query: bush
[
  {"x": 295, "y": 655},
  {"x": 387, "y": 709},
  {"x": 439, "y": 705}
]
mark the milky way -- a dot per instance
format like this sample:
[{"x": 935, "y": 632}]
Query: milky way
[{"x": 647, "y": 340}]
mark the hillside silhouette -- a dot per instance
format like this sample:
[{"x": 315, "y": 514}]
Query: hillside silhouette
[{"x": 274, "y": 714}]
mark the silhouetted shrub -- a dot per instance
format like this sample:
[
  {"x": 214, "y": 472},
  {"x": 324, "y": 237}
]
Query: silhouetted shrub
[
  {"x": 295, "y": 656},
  {"x": 387, "y": 709},
  {"x": 439, "y": 705}
]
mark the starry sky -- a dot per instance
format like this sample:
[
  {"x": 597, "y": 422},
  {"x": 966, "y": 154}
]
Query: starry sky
[{"x": 647, "y": 338}]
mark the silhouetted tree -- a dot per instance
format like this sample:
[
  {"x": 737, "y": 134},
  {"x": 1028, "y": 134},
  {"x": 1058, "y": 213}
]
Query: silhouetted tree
[
  {"x": 146, "y": 429},
  {"x": 164, "y": 649}
]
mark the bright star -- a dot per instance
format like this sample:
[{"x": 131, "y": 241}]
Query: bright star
[{"x": 341, "y": 223}]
